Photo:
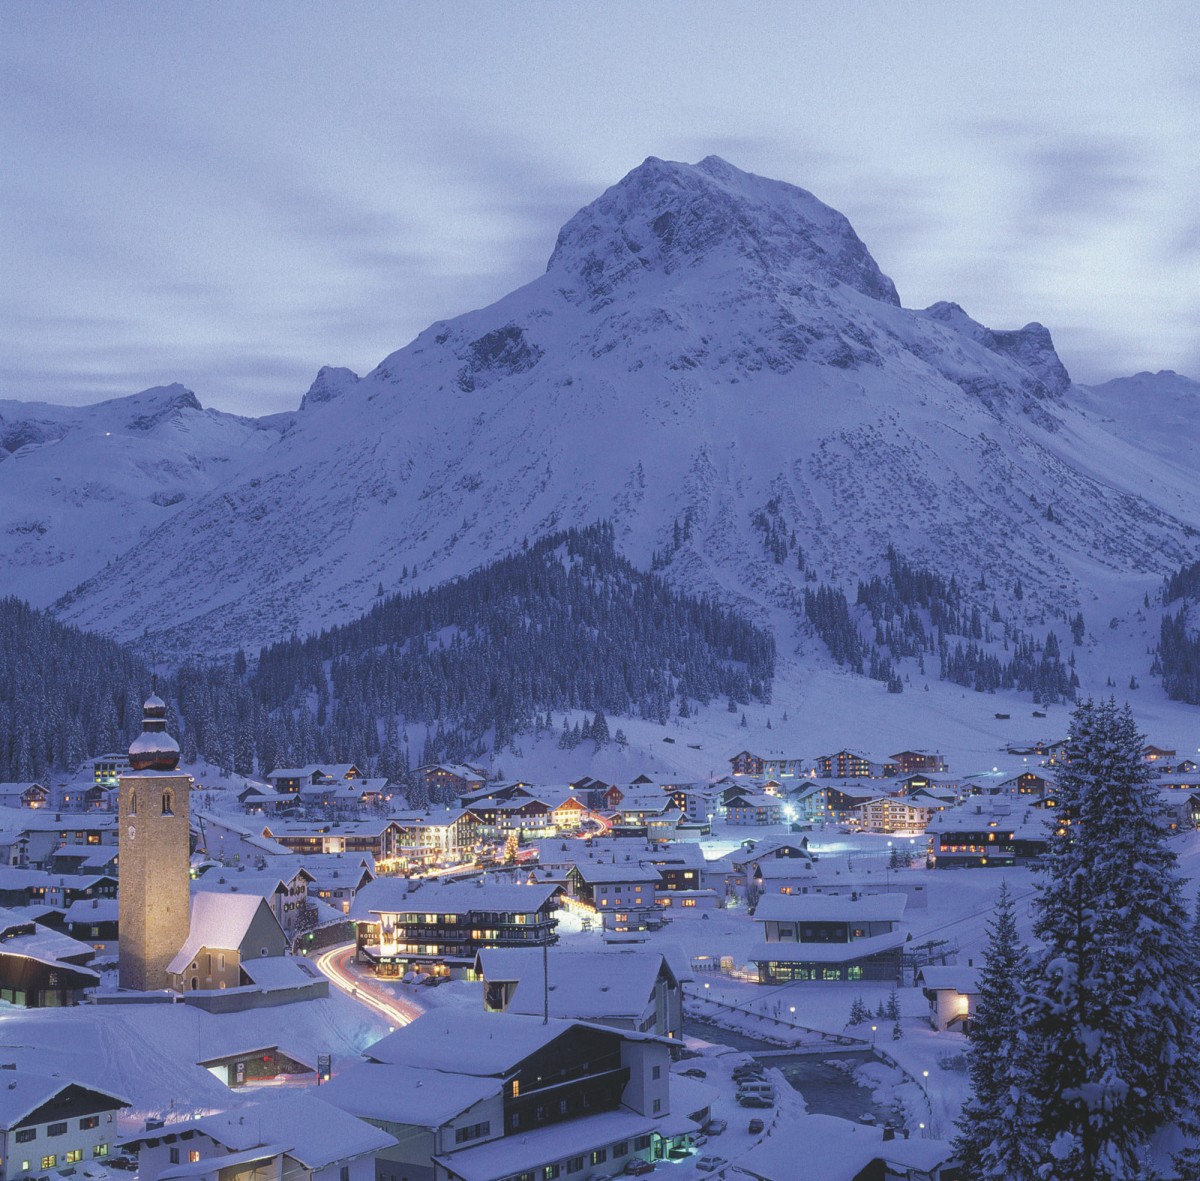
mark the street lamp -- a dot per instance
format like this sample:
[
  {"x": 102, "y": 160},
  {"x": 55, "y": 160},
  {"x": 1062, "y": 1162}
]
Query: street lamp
[{"x": 873, "y": 1028}]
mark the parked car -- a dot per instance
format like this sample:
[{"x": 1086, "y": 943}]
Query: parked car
[
  {"x": 763, "y": 1088},
  {"x": 638, "y": 1167},
  {"x": 755, "y": 1101},
  {"x": 710, "y": 1164},
  {"x": 756, "y": 1126},
  {"x": 715, "y": 1127},
  {"x": 748, "y": 1072},
  {"x": 694, "y": 1072}
]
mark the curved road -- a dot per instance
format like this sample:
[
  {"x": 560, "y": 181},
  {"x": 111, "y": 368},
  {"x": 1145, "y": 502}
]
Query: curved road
[{"x": 337, "y": 963}]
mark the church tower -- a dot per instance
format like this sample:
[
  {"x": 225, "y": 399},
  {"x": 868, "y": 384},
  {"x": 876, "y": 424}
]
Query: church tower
[{"x": 154, "y": 848}]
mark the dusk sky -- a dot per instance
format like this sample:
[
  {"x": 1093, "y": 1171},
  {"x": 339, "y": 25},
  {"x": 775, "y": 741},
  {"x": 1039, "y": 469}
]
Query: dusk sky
[{"x": 231, "y": 195}]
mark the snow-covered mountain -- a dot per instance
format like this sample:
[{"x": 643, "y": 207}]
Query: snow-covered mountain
[
  {"x": 706, "y": 347},
  {"x": 82, "y": 487}
]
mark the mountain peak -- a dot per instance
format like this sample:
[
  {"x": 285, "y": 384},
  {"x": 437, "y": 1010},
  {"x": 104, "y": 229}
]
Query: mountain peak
[
  {"x": 331, "y": 380},
  {"x": 667, "y": 217}
]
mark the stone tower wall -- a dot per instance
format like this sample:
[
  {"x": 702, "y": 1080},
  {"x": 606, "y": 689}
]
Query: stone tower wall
[{"x": 154, "y": 896}]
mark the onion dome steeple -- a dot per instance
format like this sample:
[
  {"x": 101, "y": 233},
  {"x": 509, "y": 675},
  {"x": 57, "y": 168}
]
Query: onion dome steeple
[{"x": 154, "y": 749}]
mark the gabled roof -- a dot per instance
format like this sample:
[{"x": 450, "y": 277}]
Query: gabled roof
[
  {"x": 959, "y": 977},
  {"x": 390, "y": 895},
  {"x": 584, "y": 985},
  {"x": 22, "y": 1093},
  {"x": 219, "y": 920},
  {"x": 406, "y": 1094},
  {"x": 499, "y": 1042}
]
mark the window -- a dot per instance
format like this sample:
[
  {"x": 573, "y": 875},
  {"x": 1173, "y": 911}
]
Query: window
[
  {"x": 550, "y": 1172},
  {"x": 640, "y": 1143},
  {"x": 48, "y": 1162},
  {"x": 100, "y": 1150},
  {"x": 89, "y": 1121},
  {"x": 657, "y": 1106},
  {"x": 166, "y": 804},
  {"x": 74, "y": 1156},
  {"x": 24, "y": 1135},
  {"x": 344, "y": 1173},
  {"x": 193, "y": 1156},
  {"x": 132, "y": 812},
  {"x": 472, "y": 1132},
  {"x": 59, "y": 1129},
  {"x": 174, "y": 1156},
  {"x": 656, "y": 1072},
  {"x": 575, "y": 1164},
  {"x": 621, "y": 1148},
  {"x": 599, "y": 1156}
]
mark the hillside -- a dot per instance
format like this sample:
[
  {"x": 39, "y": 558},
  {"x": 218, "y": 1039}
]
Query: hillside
[{"x": 706, "y": 349}]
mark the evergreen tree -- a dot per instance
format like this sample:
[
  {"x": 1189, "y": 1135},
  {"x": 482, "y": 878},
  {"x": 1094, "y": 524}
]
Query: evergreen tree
[
  {"x": 991, "y": 1141},
  {"x": 1108, "y": 1016}
]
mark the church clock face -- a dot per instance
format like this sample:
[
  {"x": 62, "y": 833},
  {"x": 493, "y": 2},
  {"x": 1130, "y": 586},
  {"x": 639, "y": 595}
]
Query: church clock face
[{"x": 132, "y": 832}]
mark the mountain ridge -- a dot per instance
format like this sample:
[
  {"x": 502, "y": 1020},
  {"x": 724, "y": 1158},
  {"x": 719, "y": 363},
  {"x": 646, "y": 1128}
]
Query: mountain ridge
[{"x": 748, "y": 351}]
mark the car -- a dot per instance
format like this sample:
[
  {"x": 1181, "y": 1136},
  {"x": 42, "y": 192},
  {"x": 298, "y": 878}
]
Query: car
[
  {"x": 715, "y": 1127},
  {"x": 710, "y": 1164},
  {"x": 699, "y": 1139},
  {"x": 756, "y": 1089},
  {"x": 747, "y": 1071},
  {"x": 756, "y": 1126},
  {"x": 694, "y": 1072},
  {"x": 755, "y": 1101},
  {"x": 638, "y": 1167}
]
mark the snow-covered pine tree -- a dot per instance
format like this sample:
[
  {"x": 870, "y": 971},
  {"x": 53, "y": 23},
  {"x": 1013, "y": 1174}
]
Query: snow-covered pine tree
[
  {"x": 1107, "y": 1019},
  {"x": 992, "y": 1142}
]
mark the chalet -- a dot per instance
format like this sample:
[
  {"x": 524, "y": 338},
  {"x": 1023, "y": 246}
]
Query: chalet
[
  {"x": 909, "y": 761},
  {"x": 439, "y": 927},
  {"x": 24, "y": 795},
  {"x": 745, "y": 763},
  {"x": 94, "y": 923},
  {"x": 1156, "y": 755},
  {"x": 227, "y": 931},
  {"x": 783, "y": 875},
  {"x": 823, "y": 801},
  {"x": 1008, "y": 783},
  {"x": 987, "y": 831},
  {"x": 341, "y": 794},
  {"x": 953, "y": 992},
  {"x": 42, "y": 968},
  {"x": 380, "y": 838},
  {"x": 433, "y": 838},
  {"x": 107, "y": 769},
  {"x": 49, "y": 1123},
  {"x": 886, "y": 814},
  {"x": 532, "y": 1099},
  {"x": 829, "y": 937},
  {"x": 680, "y": 866},
  {"x": 296, "y": 1135},
  {"x": 753, "y": 808},
  {"x": 848, "y": 764},
  {"x": 45, "y": 834},
  {"x": 285, "y": 890},
  {"x": 626, "y": 988},
  {"x": 290, "y": 780},
  {"x": 457, "y": 779},
  {"x": 622, "y": 894},
  {"x": 836, "y": 1149}
]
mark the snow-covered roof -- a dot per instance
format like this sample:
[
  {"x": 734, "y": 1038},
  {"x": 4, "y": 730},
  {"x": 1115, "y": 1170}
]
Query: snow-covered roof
[
  {"x": 959, "y": 977},
  {"x": 92, "y": 910},
  {"x": 498, "y": 1041},
  {"x": 588, "y": 985},
  {"x": 275, "y": 972},
  {"x": 627, "y": 871},
  {"x": 406, "y": 1094},
  {"x": 831, "y": 1148},
  {"x": 312, "y": 1131},
  {"x": 518, "y": 1154},
  {"x": 824, "y": 953},
  {"x": 772, "y": 869},
  {"x": 218, "y": 921},
  {"x": 831, "y": 908},
  {"x": 390, "y": 895},
  {"x": 22, "y": 1093}
]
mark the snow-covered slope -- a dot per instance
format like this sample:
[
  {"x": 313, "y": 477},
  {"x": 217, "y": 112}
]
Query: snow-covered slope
[
  {"x": 80, "y": 487},
  {"x": 703, "y": 343}
]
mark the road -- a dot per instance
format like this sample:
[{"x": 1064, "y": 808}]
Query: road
[{"x": 338, "y": 964}]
